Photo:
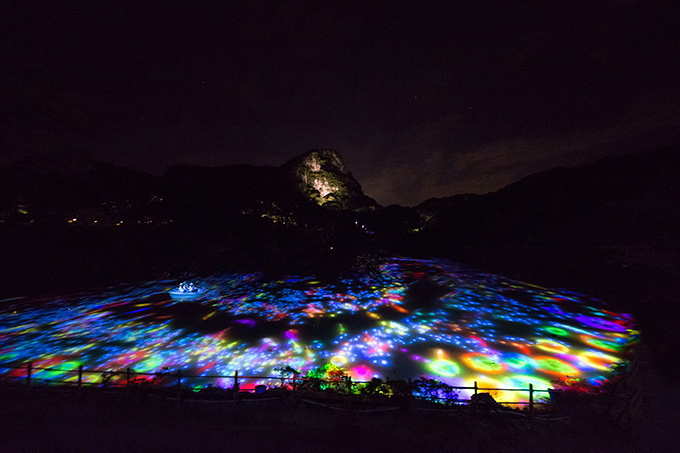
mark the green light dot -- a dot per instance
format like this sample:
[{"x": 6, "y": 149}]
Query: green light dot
[
  {"x": 556, "y": 331},
  {"x": 604, "y": 344}
]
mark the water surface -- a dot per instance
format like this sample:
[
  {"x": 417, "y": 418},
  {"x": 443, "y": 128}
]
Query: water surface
[{"x": 418, "y": 318}]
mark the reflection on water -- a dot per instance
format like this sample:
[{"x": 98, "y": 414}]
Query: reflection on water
[{"x": 420, "y": 317}]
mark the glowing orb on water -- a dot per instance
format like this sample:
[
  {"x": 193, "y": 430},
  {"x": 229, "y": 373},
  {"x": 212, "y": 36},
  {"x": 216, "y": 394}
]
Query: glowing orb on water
[
  {"x": 519, "y": 362},
  {"x": 552, "y": 346},
  {"x": 557, "y": 367},
  {"x": 445, "y": 368},
  {"x": 484, "y": 363},
  {"x": 416, "y": 318}
]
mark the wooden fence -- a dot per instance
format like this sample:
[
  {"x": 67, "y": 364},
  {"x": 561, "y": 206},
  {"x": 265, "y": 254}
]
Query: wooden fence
[{"x": 296, "y": 383}]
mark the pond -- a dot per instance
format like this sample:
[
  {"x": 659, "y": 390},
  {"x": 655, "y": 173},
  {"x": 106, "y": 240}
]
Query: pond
[{"x": 416, "y": 318}]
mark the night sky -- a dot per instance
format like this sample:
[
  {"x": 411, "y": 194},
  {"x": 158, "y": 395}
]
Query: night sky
[{"x": 421, "y": 100}]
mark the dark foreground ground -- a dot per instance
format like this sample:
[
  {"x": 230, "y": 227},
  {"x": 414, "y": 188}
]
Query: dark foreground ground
[{"x": 42, "y": 420}]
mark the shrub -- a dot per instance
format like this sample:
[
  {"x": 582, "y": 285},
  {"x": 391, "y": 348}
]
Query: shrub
[{"x": 435, "y": 391}]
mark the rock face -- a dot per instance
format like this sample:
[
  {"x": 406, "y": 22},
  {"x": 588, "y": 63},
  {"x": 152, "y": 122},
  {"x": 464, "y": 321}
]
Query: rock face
[{"x": 322, "y": 176}]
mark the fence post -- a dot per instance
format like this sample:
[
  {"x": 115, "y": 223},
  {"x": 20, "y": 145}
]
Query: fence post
[
  {"x": 29, "y": 368},
  {"x": 179, "y": 384},
  {"x": 80, "y": 376},
  {"x": 349, "y": 393},
  {"x": 531, "y": 401},
  {"x": 128, "y": 375},
  {"x": 475, "y": 402}
]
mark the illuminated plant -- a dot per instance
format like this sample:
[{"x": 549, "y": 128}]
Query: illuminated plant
[
  {"x": 287, "y": 373},
  {"x": 376, "y": 386},
  {"x": 573, "y": 384},
  {"x": 328, "y": 376},
  {"x": 107, "y": 376},
  {"x": 434, "y": 391}
]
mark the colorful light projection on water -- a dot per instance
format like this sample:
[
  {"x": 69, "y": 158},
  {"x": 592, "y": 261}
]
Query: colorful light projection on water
[{"x": 420, "y": 317}]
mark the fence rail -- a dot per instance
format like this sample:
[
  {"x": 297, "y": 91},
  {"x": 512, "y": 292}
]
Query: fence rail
[{"x": 296, "y": 382}]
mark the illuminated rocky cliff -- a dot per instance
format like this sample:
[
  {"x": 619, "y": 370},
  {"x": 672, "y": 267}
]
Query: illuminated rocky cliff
[{"x": 322, "y": 176}]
